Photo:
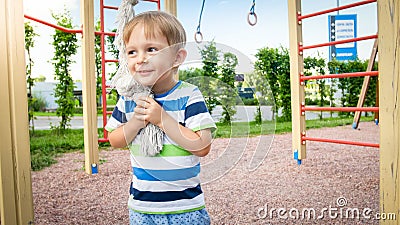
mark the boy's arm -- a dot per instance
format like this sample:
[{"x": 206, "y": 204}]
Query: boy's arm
[
  {"x": 124, "y": 134},
  {"x": 198, "y": 143}
]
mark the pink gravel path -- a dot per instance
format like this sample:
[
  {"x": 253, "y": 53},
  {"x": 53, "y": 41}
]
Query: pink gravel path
[{"x": 64, "y": 194}]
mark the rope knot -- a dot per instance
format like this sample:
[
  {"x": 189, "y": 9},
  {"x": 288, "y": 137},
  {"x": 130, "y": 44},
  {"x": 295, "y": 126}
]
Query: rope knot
[{"x": 133, "y": 2}]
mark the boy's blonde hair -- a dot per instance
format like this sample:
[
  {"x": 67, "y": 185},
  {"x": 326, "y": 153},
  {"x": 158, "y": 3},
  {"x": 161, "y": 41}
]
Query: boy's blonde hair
[{"x": 158, "y": 23}]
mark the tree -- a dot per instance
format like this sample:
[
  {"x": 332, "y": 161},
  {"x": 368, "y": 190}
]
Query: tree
[
  {"x": 64, "y": 48},
  {"x": 190, "y": 73},
  {"x": 263, "y": 93},
  {"x": 210, "y": 59},
  {"x": 29, "y": 43},
  {"x": 336, "y": 67},
  {"x": 228, "y": 99},
  {"x": 41, "y": 78},
  {"x": 331, "y": 93},
  {"x": 351, "y": 87},
  {"x": 370, "y": 98},
  {"x": 112, "y": 48},
  {"x": 284, "y": 84},
  {"x": 264, "y": 66},
  {"x": 318, "y": 66},
  {"x": 273, "y": 65}
]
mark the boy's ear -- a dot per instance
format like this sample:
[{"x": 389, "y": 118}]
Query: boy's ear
[{"x": 180, "y": 57}]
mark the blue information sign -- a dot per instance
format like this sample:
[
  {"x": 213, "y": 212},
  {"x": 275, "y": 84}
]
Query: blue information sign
[{"x": 342, "y": 27}]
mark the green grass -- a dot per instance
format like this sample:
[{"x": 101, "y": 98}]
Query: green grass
[
  {"x": 78, "y": 112},
  {"x": 46, "y": 145},
  {"x": 111, "y": 102},
  {"x": 52, "y": 114},
  {"x": 244, "y": 129},
  {"x": 44, "y": 114}
]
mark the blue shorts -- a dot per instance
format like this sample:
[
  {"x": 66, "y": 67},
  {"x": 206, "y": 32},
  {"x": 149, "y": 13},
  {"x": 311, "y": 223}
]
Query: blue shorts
[{"x": 199, "y": 217}]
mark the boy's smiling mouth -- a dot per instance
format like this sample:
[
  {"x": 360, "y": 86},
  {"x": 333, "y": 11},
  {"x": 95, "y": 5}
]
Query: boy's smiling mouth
[{"x": 145, "y": 72}]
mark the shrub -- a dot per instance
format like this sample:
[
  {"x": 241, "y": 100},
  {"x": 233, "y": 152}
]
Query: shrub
[{"x": 39, "y": 103}]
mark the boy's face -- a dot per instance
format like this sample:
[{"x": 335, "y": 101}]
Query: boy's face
[{"x": 150, "y": 60}]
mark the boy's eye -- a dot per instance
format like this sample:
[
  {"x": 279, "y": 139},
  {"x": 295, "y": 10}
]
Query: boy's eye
[
  {"x": 152, "y": 49},
  {"x": 131, "y": 52}
]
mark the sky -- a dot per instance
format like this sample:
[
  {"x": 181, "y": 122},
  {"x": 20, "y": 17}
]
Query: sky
[{"x": 224, "y": 21}]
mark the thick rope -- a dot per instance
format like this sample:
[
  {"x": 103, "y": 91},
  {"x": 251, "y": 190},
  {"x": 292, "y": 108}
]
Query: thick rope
[{"x": 123, "y": 82}]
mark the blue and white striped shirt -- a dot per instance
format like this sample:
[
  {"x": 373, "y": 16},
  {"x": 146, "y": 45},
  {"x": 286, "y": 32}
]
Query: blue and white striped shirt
[{"x": 169, "y": 182}]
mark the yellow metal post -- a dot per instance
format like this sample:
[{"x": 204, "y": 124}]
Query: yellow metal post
[
  {"x": 16, "y": 202},
  {"x": 389, "y": 107},
  {"x": 170, "y": 6},
  {"x": 89, "y": 88},
  {"x": 297, "y": 88}
]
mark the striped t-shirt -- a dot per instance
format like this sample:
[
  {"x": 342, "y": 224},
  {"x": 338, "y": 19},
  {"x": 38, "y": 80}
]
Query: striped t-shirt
[{"x": 169, "y": 182}]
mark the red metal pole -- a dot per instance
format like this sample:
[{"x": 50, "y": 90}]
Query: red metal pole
[
  {"x": 301, "y": 48},
  {"x": 110, "y": 7},
  {"x": 103, "y": 70},
  {"x": 105, "y": 33},
  {"x": 67, "y": 30},
  {"x": 365, "y": 144},
  {"x": 155, "y": 1},
  {"x": 343, "y": 75},
  {"x": 111, "y": 60},
  {"x": 299, "y": 18},
  {"x": 340, "y": 109}
]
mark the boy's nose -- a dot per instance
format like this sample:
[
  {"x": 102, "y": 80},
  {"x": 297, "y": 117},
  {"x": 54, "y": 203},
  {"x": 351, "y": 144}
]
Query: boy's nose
[{"x": 142, "y": 58}]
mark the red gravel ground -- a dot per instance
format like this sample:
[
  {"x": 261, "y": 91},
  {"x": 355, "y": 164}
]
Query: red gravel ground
[{"x": 277, "y": 192}]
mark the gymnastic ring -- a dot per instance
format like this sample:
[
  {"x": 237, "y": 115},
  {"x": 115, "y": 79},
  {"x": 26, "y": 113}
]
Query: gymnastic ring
[
  {"x": 196, "y": 35},
  {"x": 255, "y": 18}
]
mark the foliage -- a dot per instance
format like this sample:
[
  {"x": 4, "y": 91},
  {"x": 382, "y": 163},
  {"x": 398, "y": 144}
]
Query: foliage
[
  {"x": 114, "y": 52},
  {"x": 190, "y": 73},
  {"x": 214, "y": 78},
  {"x": 318, "y": 65},
  {"x": 41, "y": 78},
  {"x": 350, "y": 88},
  {"x": 370, "y": 98},
  {"x": 261, "y": 86},
  {"x": 227, "y": 97},
  {"x": 249, "y": 101},
  {"x": 112, "y": 48},
  {"x": 273, "y": 65},
  {"x": 65, "y": 47},
  {"x": 258, "y": 115},
  {"x": 29, "y": 43},
  {"x": 210, "y": 59},
  {"x": 39, "y": 104},
  {"x": 284, "y": 82}
]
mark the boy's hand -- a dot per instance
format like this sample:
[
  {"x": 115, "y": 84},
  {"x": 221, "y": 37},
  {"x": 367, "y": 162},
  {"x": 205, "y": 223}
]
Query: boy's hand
[
  {"x": 147, "y": 109},
  {"x": 139, "y": 121}
]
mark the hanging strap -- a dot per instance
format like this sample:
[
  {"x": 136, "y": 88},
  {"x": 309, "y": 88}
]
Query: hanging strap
[
  {"x": 198, "y": 36},
  {"x": 252, "y": 14}
]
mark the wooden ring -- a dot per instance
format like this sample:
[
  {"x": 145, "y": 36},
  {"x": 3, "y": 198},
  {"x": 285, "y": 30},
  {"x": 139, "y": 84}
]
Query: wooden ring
[
  {"x": 197, "y": 35},
  {"x": 249, "y": 20}
]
